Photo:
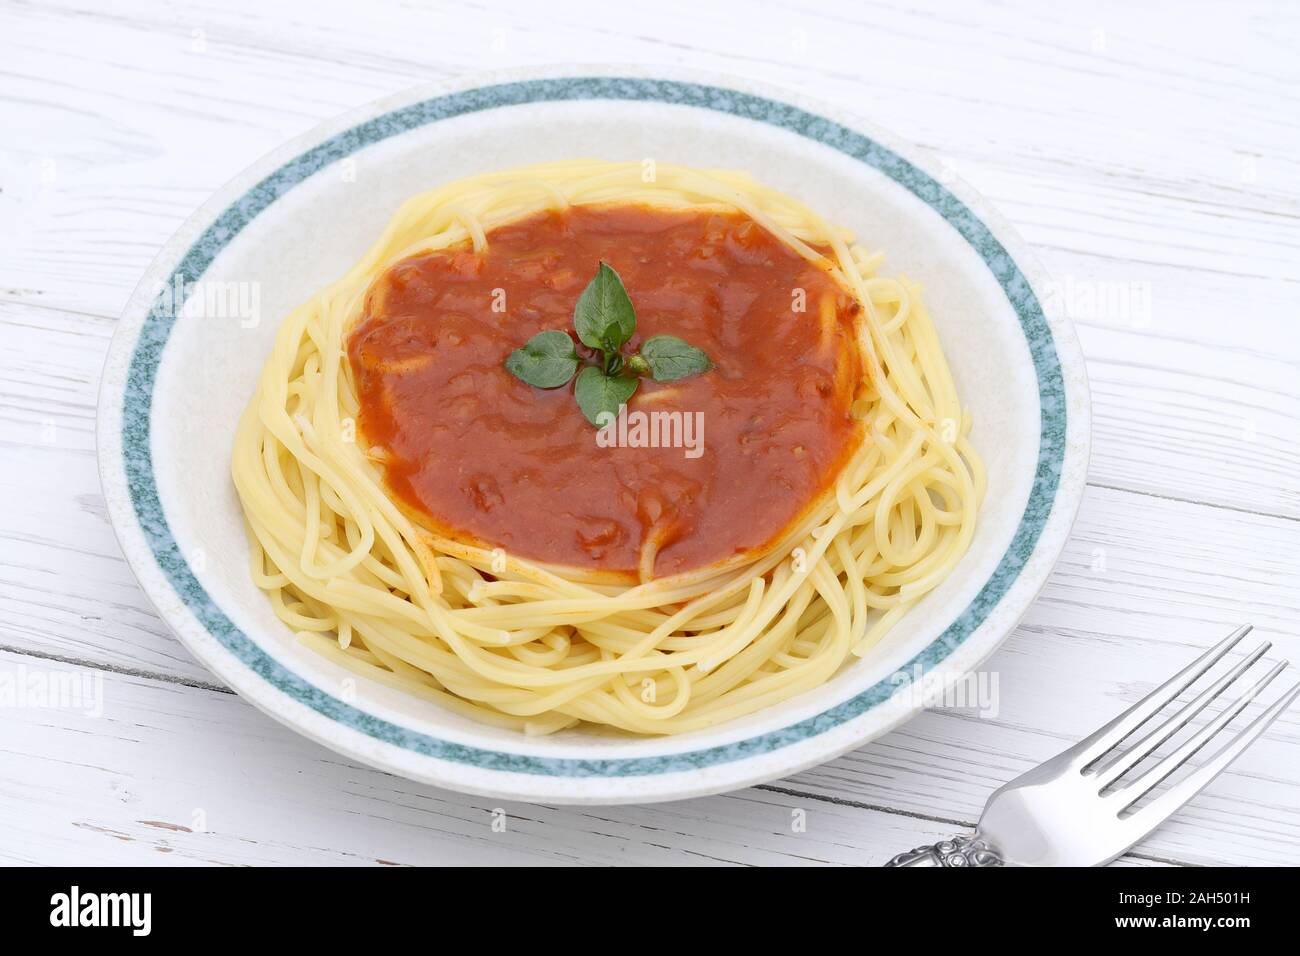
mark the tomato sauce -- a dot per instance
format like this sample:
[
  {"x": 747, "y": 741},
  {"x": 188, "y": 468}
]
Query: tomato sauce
[{"x": 475, "y": 454}]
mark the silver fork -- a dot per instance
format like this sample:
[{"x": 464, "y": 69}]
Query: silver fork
[{"x": 1070, "y": 811}]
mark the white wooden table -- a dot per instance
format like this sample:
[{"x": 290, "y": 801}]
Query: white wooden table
[{"x": 1151, "y": 157}]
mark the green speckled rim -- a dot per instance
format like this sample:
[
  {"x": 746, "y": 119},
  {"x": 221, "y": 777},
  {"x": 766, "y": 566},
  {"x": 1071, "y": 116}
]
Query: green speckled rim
[{"x": 137, "y": 457}]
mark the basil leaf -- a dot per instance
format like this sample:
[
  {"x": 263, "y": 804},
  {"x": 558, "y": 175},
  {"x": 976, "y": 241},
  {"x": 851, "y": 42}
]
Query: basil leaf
[
  {"x": 547, "y": 360},
  {"x": 670, "y": 357},
  {"x": 598, "y": 393},
  {"x": 604, "y": 316}
]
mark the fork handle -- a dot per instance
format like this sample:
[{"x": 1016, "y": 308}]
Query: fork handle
[{"x": 958, "y": 851}]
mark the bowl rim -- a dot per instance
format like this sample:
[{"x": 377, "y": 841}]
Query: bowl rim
[{"x": 139, "y": 520}]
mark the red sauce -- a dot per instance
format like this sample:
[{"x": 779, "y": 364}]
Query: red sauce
[{"x": 477, "y": 455}]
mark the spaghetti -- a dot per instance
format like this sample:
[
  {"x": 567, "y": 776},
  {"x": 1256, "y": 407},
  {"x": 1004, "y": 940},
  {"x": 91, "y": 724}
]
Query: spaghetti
[{"x": 357, "y": 573}]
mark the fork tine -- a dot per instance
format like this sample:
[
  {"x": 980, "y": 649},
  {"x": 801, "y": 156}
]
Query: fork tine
[
  {"x": 1152, "y": 741},
  {"x": 1087, "y": 751},
  {"x": 1151, "y": 779},
  {"x": 1160, "y": 809}
]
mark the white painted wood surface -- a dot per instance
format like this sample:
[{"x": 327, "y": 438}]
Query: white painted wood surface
[{"x": 1151, "y": 156}]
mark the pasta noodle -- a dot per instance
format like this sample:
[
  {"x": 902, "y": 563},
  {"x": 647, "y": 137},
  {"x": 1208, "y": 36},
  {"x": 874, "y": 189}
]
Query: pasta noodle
[{"x": 514, "y": 643}]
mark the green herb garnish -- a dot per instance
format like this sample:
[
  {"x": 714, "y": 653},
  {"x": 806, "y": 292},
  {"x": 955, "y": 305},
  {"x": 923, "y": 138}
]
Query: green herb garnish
[
  {"x": 669, "y": 358},
  {"x": 547, "y": 360},
  {"x": 598, "y": 393},
  {"x": 604, "y": 317},
  {"x": 605, "y": 321}
]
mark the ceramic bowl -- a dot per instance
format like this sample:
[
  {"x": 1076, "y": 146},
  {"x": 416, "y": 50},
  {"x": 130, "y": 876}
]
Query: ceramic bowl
[{"x": 195, "y": 334}]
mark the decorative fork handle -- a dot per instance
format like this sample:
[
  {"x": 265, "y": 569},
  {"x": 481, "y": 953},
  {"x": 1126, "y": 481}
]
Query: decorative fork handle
[{"x": 958, "y": 851}]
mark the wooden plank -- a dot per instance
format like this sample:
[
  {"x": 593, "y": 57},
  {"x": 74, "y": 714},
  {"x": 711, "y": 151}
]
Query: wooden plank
[
  {"x": 198, "y": 777},
  {"x": 65, "y": 589},
  {"x": 1145, "y": 584},
  {"x": 1181, "y": 188},
  {"x": 55, "y": 530},
  {"x": 1150, "y": 159}
]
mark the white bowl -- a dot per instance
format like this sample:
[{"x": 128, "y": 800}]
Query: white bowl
[{"x": 176, "y": 380}]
